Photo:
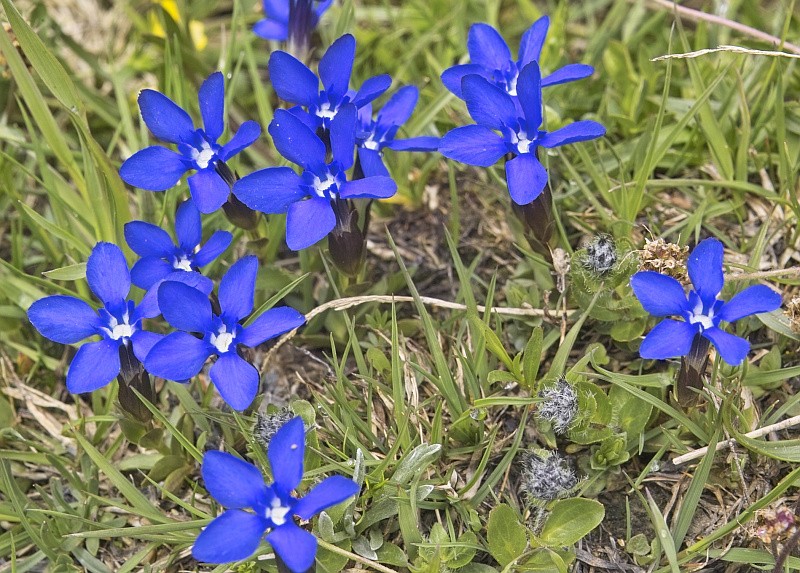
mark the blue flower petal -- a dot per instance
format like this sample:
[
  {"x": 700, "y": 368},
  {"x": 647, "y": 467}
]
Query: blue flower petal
[
  {"x": 233, "y": 482},
  {"x": 368, "y": 188},
  {"x": 148, "y": 271},
  {"x": 107, "y": 273},
  {"x": 153, "y": 168},
  {"x": 168, "y": 121},
  {"x": 474, "y": 145},
  {"x": 733, "y": 349},
  {"x": 214, "y": 247},
  {"x": 526, "y": 178},
  {"x": 568, "y": 73},
  {"x": 312, "y": 122},
  {"x": 308, "y": 222},
  {"x": 178, "y": 356},
  {"x": 292, "y": 80},
  {"x": 271, "y": 323},
  {"x": 372, "y": 163},
  {"x": 574, "y": 132},
  {"x": 232, "y": 536},
  {"x": 487, "y": 48},
  {"x": 148, "y": 240},
  {"x": 248, "y": 133},
  {"x": 488, "y": 104},
  {"x": 235, "y": 379},
  {"x": 188, "y": 226},
  {"x": 372, "y": 89},
  {"x": 399, "y": 108},
  {"x": 277, "y": 9},
  {"x": 143, "y": 341},
  {"x": 669, "y": 339},
  {"x": 421, "y": 143},
  {"x": 64, "y": 319},
  {"x": 184, "y": 307},
  {"x": 752, "y": 300},
  {"x": 529, "y": 90},
  {"x": 148, "y": 308},
  {"x": 452, "y": 77},
  {"x": 237, "y": 288},
  {"x": 329, "y": 492},
  {"x": 95, "y": 365},
  {"x": 209, "y": 191},
  {"x": 295, "y": 546},
  {"x": 322, "y": 6},
  {"x": 211, "y": 97},
  {"x": 343, "y": 136},
  {"x": 659, "y": 294},
  {"x": 271, "y": 30},
  {"x": 296, "y": 142},
  {"x": 270, "y": 190},
  {"x": 705, "y": 269},
  {"x": 285, "y": 453},
  {"x": 530, "y": 47},
  {"x": 336, "y": 66}
]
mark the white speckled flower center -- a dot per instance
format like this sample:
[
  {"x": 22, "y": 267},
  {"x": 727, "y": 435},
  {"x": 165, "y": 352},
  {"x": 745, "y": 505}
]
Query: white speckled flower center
[
  {"x": 511, "y": 85},
  {"x": 323, "y": 185},
  {"x": 117, "y": 330},
  {"x": 325, "y": 112},
  {"x": 370, "y": 143},
  {"x": 203, "y": 156},
  {"x": 520, "y": 139},
  {"x": 696, "y": 316},
  {"x": 222, "y": 340},
  {"x": 277, "y": 513},
  {"x": 182, "y": 264}
]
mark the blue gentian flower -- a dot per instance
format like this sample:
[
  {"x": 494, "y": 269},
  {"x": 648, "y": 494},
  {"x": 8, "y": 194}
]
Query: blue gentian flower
[
  {"x": 702, "y": 311},
  {"x": 157, "y": 168},
  {"x": 181, "y": 356},
  {"x": 295, "y": 83},
  {"x": 494, "y": 110},
  {"x": 286, "y": 19},
  {"x": 310, "y": 199},
  {"x": 161, "y": 258},
  {"x": 67, "y": 320},
  {"x": 236, "y": 534},
  {"x": 491, "y": 59},
  {"x": 379, "y": 133}
]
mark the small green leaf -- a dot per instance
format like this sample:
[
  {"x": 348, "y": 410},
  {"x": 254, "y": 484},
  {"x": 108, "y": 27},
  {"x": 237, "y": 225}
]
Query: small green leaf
[
  {"x": 69, "y": 273},
  {"x": 570, "y": 520},
  {"x": 493, "y": 343},
  {"x": 507, "y": 537},
  {"x": 532, "y": 357}
]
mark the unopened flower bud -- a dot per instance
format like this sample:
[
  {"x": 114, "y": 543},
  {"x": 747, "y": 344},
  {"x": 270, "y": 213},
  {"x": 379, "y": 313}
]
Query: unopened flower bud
[
  {"x": 559, "y": 405},
  {"x": 547, "y": 476}
]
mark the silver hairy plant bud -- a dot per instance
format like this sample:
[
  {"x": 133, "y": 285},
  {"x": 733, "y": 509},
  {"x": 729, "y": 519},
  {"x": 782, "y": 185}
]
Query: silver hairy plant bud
[
  {"x": 559, "y": 405},
  {"x": 268, "y": 424},
  {"x": 601, "y": 255},
  {"x": 546, "y": 476}
]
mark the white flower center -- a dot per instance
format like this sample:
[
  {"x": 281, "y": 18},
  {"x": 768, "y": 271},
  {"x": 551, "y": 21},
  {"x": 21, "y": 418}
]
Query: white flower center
[
  {"x": 117, "y": 330},
  {"x": 511, "y": 86},
  {"x": 322, "y": 185},
  {"x": 203, "y": 156},
  {"x": 325, "y": 112},
  {"x": 520, "y": 139},
  {"x": 222, "y": 340},
  {"x": 705, "y": 321},
  {"x": 370, "y": 143},
  {"x": 277, "y": 513},
  {"x": 182, "y": 264}
]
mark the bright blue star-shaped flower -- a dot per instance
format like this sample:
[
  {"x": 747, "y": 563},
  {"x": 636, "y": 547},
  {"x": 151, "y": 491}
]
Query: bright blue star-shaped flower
[
  {"x": 278, "y": 22},
  {"x": 162, "y": 259},
  {"x": 702, "y": 311},
  {"x": 181, "y": 356},
  {"x": 157, "y": 168},
  {"x": 67, "y": 320},
  {"x": 236, "y": 534},
  {"x": 310, "y": 199},
  {"x": 294, "y": 82},
  {"x": 492, "y": 60},
  {"x": 379, "y": 133},
  {"x": 494, "y": 110}
]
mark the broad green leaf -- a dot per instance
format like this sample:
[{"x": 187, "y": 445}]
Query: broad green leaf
[
  {"x": 570, "y": 520},
  {"x": 507, "y": 537},
  {"x": 532, "y": 356},
  {"x": 69, "y": 273}
]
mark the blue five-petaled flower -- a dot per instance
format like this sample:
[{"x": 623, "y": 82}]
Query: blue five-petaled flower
[
  {"x": 157, "y": 168},
  {"x": 162, "y": 259},
  {"x": 67, "y": 320},
  {"x": 702, "y": 311},
  {"x": 180, "y": 356},
  {"x": 495, "y": 110},
  {"x": 278, "y": 22},
  {"x": 376, "y": 134},
  {"x": 238, "y": 485},
  {"x": 491, "y": 59},
  {"x": 295, "y": 83},
  {"x": 310, "y": 199}
]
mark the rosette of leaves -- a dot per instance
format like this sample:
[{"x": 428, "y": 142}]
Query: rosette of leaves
[{"x": 616, "y": 309}]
